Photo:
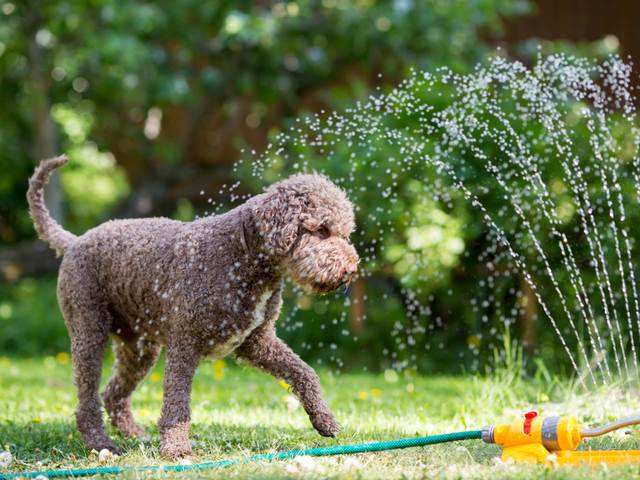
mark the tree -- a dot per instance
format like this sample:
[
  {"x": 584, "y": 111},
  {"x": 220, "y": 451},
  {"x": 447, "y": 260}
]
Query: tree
[{"x": 173, "y": 89}]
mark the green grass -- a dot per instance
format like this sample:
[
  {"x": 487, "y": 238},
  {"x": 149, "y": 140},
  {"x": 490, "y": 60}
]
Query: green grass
[{"x": 238, "y": 412}]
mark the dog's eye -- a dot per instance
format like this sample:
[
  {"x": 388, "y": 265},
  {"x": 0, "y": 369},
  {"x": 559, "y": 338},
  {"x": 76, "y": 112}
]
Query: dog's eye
[{"x": 323, "y": 232}]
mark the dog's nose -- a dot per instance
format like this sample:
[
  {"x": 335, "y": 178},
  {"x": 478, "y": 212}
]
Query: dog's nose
[{"x": 351, "y": 268}]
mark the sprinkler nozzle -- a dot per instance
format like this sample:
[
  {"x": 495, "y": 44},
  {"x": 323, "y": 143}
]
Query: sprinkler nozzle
[{"x": 610, "y": 427}]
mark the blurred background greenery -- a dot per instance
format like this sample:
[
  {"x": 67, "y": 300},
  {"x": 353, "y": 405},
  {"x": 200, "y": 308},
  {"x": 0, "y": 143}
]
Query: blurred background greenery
[{"x": 153, "y": 102}]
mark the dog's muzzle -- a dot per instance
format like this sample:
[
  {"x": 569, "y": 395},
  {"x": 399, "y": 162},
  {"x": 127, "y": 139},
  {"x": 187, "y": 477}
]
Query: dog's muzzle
[{"x": 345, "y": 280}]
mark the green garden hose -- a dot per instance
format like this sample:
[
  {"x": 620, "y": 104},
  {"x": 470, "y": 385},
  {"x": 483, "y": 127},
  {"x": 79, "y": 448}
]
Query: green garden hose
[{"x": 312, "y": 452}]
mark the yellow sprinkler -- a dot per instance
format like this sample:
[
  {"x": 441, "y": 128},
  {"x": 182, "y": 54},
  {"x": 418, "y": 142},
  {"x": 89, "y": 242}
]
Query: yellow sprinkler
[{"x": 535, "y": 439}]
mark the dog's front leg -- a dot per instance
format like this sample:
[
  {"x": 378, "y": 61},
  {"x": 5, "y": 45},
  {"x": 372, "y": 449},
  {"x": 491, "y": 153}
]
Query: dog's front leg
[
  {"x": 263, "y": 349},
  {"x": 182, "y": 361}
]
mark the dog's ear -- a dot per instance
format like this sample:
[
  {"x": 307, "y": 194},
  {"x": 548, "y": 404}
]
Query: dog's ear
[{"x": 277, "y": 213}]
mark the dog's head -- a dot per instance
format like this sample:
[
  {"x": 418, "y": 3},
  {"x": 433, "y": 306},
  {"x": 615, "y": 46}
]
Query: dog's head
[{"x": 305, "y": 221}]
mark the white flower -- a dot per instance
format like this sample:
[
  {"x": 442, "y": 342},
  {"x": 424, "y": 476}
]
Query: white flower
[
  {"x": 498, "y": 461},
  {"x": 105, "y": 455},
  {"x": 185, "y": 461},
  {"x": 352, "y": 462},
  {"x": 5, "y": 459},
  {"x": 41, "y": 477},
  {"x": 305, "y": 462},
  {"x": 292, "y": 403}
]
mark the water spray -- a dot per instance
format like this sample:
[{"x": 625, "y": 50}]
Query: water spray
[{"x": 528, "y": 439}]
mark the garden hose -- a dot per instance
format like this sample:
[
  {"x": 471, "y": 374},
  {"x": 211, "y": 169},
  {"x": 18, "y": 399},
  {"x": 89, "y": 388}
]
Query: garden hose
[{"x": 311, "y": 452}]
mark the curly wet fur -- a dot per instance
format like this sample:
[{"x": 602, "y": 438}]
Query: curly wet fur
[{"x": 204, "y": 288}]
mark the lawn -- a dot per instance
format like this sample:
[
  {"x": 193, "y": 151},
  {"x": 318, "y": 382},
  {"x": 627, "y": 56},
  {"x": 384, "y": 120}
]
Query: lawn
[{"x": 239, "y": 412}]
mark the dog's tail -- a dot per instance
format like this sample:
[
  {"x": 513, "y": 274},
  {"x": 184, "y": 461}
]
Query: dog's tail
[{"x": 48, "y": 229}]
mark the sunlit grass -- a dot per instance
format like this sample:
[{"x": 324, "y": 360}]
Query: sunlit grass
[{"x": 238, "y": 411}]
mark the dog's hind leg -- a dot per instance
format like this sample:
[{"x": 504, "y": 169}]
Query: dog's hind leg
[
  {"x": 88, "y": 322},
  {"x": 133, "y": 362}
]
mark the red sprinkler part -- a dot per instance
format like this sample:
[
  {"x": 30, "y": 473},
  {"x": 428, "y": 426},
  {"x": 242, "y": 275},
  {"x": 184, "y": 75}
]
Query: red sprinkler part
[{"x": 528, "y": 418}]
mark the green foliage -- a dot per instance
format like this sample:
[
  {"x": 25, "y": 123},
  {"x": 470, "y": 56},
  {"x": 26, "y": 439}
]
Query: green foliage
[
  {"x": 107, "y": 64},
  {"x": 436, "y": 238},
  {"x": 112, "y": 67},
  {"x": 409, "y": 214},
  {"x": 30, "y": 319},
  {"x": 92, "y": 182}
]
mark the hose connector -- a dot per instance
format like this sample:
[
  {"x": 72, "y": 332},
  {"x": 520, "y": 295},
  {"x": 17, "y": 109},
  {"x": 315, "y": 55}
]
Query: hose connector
[{"x": 487, "y": 434}]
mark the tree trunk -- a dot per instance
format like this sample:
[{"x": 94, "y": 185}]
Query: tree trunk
[
  {"x": 45, "y": 143},
  {"x": 358, "y": 290}
]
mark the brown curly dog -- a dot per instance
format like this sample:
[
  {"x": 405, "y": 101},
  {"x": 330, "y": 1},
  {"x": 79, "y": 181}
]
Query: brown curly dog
[{"x": 204, "y": 288}]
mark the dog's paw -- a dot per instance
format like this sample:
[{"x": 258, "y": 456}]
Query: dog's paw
[
  {"x": 174, "y": 441},
  {"x": 326, "y": 424},
  {"x": 175, "y": 451},
  {"x": 133, "y": 430},
  {"x": 104, "y": 444}
]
